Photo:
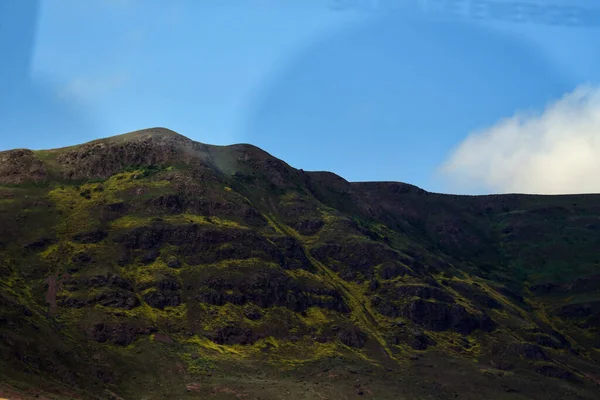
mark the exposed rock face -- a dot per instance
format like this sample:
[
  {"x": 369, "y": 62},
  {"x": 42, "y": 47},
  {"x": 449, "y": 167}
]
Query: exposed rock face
[
  {"x": 90, "y": 237},
  {"x": 528, "y": 351},
  {"x": 586, "y": 314},
  {"x": 114, "y": 299},
  {"x": 120, "y": 334},
  {"x": 111, "y": 291},
  {"x": 162, "y": 298},
  {"x": 19, "y": 166},
  {"x": 352, "y": 337},
  {"x": 424, "y": 292},
  {"x": 476, "y": 295},
  {"x": 440, "y": 316},
  {"x": 164, "y": 293},
  {"x": 232, "y": 335},
  {"x": 555, "y": 372},
  {"x": 194, "y": 204},
  {"x": 174, "y": 263},
  {"x": 292, "y": 253},
  {"x": 356, "y": 259},
  {"x": 264, "y": 287},
  {"x": 199, "y": 245},
  {"x": 101, "y": 159},
  {"x": 392, "y": 270}
]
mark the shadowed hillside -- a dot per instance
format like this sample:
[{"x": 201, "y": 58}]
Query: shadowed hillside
[{"x": 147, "y": 265}]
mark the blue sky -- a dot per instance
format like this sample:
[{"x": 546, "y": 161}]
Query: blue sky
[{"x": 371, "y": 94}]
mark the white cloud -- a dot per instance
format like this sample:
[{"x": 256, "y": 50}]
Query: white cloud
[
  {"x": 555, "y": 152},
  {"x": 89, "y": 88}
]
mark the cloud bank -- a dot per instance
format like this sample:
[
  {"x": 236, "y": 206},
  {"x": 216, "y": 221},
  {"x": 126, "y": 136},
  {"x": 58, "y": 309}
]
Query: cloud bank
[{"x": 555, "y": 152}]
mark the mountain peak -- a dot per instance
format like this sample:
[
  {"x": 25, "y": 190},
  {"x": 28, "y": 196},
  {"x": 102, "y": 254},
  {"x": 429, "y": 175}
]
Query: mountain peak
[
  {"x": 100, "y": 158},
  {"x": 156, "y": 132}
]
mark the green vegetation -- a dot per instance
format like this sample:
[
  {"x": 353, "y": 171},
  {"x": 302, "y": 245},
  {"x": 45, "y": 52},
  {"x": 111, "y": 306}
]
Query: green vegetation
[{"x": 146, "y": 266}]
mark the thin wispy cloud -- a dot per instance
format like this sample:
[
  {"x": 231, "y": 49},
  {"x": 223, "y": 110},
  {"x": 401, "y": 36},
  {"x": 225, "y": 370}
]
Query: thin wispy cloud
[
  {"x": 88, "y": 89},
  {"x": 553, "y": 152}
]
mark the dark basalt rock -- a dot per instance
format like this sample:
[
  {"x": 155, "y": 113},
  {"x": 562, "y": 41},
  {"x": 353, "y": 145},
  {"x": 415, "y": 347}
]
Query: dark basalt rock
[
  {"x": 214, "y": 246},
  {"x": 392, "y": 270},
  {"x": 118, "y": 207},
  {"x": 432, "y": 282},
  {"x": 585, "y": 314},
  {"x": 118, "y": 333},
  {"x": 424, "y": 292},
  {"x": 118, "y": 299},
  {"x": 112, "y": 298},
  {"x": 174, "y": 263},
  {"x": 544, "y": 288},
  {"x": 415, "y": 338},
  {"x": 548, "y": 341},
  {"x": 355, "y": 258},
  {"x": 163, "y": 293},
  {"x": 21, "y": 165},
  {"x": 385, "y": 307},
  {"x": 308, "y": 226},
  {"x": 580, "y": 310},
  {"x": 118, "y": 292},
  {"x": 514, "y": 296},
  {"x": 149, "y": 257},
  {"x": 168, "y": 284},
  {"x": 94, "y": 236},
  {"x": 293, "y": 256},
  {"x": 109, "y": 280},
  {"x": 40, "y": 244},
  {"x": 169, "y": 203},
  {"x": 441, "y": 316},
  {"x": 478, "y": 296},
  {"x": 12, "y": 312},
  {"x": 501, "y": 365},
  {"x": 125, "y": 258},
  {"x": 528, "y": 351},
  {"x": 265, "y": 287},
  {"x": 373, "y": 285},
  {"x": 352, "y": 337},
  {"x": 81, "y": 258},
  {"x": 210, "y": 295},
  {"x": 202, "y": 245},
  {"x": 146, "y": 237},
  {"x": 232, "y": 334},
  {"x": 252, "y": 313},
  {"x": 162, "y": 298},
  {"x": 197, "y": 204},
  {"x": 557, "y": 336},
  {"x": 419, "y": 341},
  {"x": 554, "y": 371},
  {"x": 349, "y": 275},
  {"x": 5, "y": 270}
]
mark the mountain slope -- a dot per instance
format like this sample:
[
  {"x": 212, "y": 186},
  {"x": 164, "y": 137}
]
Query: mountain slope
[{"x": 147, "y": 265}]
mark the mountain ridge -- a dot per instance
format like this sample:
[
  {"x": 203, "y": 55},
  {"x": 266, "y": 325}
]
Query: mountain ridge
[
  {"x": 165, "y": 133},
  {"x": 147, "y": 252}
]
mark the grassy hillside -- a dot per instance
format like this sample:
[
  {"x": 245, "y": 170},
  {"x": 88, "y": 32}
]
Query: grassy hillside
[{"x": 150, "y": 266}]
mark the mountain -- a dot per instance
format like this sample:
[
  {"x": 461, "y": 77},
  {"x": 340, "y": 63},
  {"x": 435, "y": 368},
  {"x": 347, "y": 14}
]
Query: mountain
[{"x": 150, "y": 266}]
